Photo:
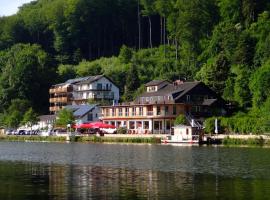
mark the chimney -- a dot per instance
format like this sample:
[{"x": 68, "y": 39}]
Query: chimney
[{"x": 178, "y": 82}]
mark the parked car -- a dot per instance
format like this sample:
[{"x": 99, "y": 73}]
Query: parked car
[{"x": 9, "y": 132}]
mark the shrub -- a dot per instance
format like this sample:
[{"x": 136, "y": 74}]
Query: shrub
[
  {"x": 121, "y": 130},
  {"x": 180, "y": 119}
]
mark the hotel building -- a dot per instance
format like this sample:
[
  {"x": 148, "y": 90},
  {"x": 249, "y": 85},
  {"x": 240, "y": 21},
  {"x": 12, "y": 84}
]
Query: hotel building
[{"x": 155, "y": 110}]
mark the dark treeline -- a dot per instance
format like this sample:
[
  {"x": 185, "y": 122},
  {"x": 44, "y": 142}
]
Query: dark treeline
[
  {"x": 224, "y": 43},
  {"x": 76, "y": 29}
]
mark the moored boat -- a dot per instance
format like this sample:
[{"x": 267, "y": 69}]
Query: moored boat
[{"x": 184, "y": 134}]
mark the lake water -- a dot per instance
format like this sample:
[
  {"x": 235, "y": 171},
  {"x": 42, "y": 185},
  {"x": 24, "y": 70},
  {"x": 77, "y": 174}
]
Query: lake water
[{"x": 127, "y": 171}]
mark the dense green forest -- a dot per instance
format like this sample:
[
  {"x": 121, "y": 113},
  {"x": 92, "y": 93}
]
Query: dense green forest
[{"x": 224, "y": 43}]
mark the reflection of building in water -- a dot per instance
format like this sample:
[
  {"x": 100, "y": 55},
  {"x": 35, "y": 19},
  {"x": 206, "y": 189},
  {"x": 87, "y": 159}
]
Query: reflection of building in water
[
  {"x": 84, "y": 182},
  {"x": 59, "y": 180}
]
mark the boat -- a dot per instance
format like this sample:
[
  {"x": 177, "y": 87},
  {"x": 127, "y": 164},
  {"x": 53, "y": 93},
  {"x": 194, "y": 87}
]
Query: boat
[{"x": 184, "y": 134}]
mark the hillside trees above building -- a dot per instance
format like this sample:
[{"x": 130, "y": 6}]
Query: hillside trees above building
[{"x": 26, "y": 73}]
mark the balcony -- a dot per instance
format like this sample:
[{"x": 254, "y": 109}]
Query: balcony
[
  {"x": 55, "y": 108},
  {"x": 52, "y": 91},
  {"x": 59, "y": 100},
  {"x": 96, "y": 97},
  {"x": 150, "y": 113},
  {"x": 60, "y": 90}
]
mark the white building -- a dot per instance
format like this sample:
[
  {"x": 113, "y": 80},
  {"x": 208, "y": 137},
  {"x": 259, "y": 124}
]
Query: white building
[
  {"x": 97, "y": 88},
  {"x": 78, "y": 91}
]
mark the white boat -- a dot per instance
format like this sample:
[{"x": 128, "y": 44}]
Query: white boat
[{"x": 183, "y": 134}]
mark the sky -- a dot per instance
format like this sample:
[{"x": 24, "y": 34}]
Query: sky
[{"x": 10, "y": 7}]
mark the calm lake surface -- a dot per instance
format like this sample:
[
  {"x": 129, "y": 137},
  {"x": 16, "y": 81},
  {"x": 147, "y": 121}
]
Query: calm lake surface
[{"x": 127, "y": 171}]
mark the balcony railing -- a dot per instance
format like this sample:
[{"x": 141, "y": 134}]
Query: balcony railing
[
  {"x": 55, "y": 108},
  {"x": 60, "y": 90},
  {"x": 150, "y": 113},
  {"x": 59, "y": 100},
  {"x": 139, "y": 114}
]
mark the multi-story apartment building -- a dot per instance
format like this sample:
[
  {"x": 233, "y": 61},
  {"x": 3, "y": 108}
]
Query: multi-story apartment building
[
  {"x": 80, "y": 90},
  {"x": 155, "y": 110}
]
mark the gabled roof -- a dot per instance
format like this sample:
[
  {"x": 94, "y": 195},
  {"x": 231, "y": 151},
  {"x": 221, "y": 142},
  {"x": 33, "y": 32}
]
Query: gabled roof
[
  {"x": 76, "y": 80},
  {"x": 72, "y": 81},
  {"x": 176, "y": 91},
  {"x": 81, "y": 110},
  {"x": 47, "y": 117},
  {"x": 90, "y": 79},
  {"x": 155, "y": 83}
]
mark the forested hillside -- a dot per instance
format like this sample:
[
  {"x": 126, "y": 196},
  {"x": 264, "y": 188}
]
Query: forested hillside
[{"x": 224, "y": 43}]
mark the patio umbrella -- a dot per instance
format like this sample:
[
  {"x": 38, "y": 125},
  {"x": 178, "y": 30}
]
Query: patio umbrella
[
  {"x": 94, "y": 125},
  {"x": 101, "y": 125}
]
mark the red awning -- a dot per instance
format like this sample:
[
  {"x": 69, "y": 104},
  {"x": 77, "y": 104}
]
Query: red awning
[{"x": 94, "y": 125}]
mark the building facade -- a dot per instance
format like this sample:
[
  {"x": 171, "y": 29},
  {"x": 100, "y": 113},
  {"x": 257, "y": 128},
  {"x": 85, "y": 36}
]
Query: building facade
[
  {"x": 155, "y": 110},
  {"x": 80, "y": 90},
  {"x": 84, "y": 113}
]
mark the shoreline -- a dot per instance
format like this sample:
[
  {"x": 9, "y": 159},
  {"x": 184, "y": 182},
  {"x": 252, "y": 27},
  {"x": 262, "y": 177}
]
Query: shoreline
[{"x": 229, "y": 140}]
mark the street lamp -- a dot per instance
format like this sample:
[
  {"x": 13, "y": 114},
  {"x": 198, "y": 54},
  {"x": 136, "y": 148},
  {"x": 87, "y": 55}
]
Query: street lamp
[{"x": 69, "y": 132}]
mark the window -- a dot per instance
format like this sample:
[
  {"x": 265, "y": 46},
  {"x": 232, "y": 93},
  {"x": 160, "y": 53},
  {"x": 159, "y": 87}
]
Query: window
[
  {"x": 133, "y": 111},
  {"x": 166, "y": 110},
  {"x": 140, "y": 111},
  {"x": 90, "y": 117},
  {"x": 131, "y": 125},
  {"x": 127, "y": 111},
  {"x": 157, "y": 125},
  {"x": 139, "y": 125},
  {"x": 112, "y": 123},
  {"x": 113, "y": 112},
  {"x": 99, "y": 86},
  {"x": 174, "y": 109},
  {"x": 188, "y": 98},
  {"x": 146, "y": 125},
  {"x": 120, "y": 112},
  {"x": 118, "y": 124},
  {"x": 147, "y": 99},
  {"x": 107, "y": 112},
  {"x": 158, "y": 110},
  {"x": 168, "y": 124}
]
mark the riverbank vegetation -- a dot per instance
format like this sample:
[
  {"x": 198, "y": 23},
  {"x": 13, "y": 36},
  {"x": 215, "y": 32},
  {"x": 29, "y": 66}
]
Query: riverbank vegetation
[
  {"x": 225, "y": 44},
  {"x": 152, "y": 140},
  {"x": 245, "y": 142}
]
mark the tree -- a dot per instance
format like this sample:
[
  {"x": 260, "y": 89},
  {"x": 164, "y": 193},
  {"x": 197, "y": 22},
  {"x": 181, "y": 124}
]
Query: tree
[
  {"x": 132, "y": 82},
  {"x": 125, "y": 54},
  {"x": 26, "y": 74},
  {"x": 148, "y": 11},
  {"x": 242, "y": 93},
  {"x": 65, "y": 117},
  {"x": 260, "y": 85},
  {"x": 180, "y": 120},
  {"x": 30, "y": 118},
  {"x": 215, "y": 73},
  {"x": 13, "y": 116}
]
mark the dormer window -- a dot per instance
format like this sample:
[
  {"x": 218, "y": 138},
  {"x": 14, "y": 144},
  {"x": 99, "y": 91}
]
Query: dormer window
[{"x": 152, "y": 89}]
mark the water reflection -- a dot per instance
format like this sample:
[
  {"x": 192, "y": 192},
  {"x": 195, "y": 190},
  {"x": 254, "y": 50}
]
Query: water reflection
[
  {"x": 20, "y": 180},
  {"x": 97, "y": 171}
]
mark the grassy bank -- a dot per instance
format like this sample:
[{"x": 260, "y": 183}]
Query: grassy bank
[
  {"x": 152, "y": 140},
  {"x": 32, "y": 138},
  {"x": 247, "y": 142}
]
